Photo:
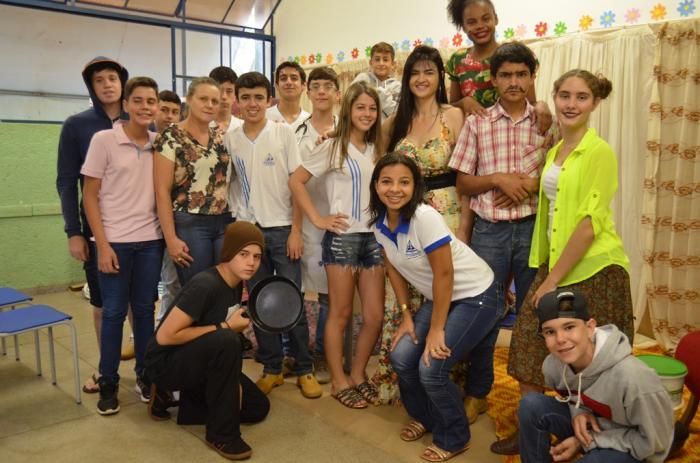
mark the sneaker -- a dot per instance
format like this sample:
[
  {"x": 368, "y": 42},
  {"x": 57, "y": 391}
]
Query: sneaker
[
  {"x": 108, "y": 403},
  {"x": 309, "y": 386},
  {"x": 236, "y": 450},
  {"x": 158, "y": 404},
  {"x": 142, "y": 389},
  {"x": 475, "y": 407},
  {"x": 269, "y": 381},
  {"x": 323, "y": 376},
  {"x": 288, "y": 366}
]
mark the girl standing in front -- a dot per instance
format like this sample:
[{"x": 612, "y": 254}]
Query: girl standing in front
[
  {"x": 574, "y": 243},
  {"x": 350, "y": 253},
  {"x": 460, "y": 308}
]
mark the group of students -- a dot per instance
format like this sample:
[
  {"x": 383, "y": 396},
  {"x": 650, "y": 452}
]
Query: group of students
[{"x": 447, "y": 195}]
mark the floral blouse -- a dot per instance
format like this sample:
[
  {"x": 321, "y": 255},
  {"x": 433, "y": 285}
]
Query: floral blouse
[{"x": 202, "y": 173}]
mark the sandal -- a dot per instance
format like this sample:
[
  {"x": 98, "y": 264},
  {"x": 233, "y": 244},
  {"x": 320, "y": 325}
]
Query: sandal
[
  {"x": 91, "y": 385},
  {"x": 414, "y": 430},
  {"x": 369, "y": 392},
  {"x": 435, "y": 453},
  {"x": 351, "y": 398}
]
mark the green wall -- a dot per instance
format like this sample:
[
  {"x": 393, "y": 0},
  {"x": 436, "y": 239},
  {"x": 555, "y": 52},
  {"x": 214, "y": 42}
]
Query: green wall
[{"x": 33, "y": 247}]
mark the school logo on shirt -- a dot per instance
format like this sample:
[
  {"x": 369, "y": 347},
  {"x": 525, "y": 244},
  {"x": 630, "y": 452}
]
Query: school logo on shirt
[
  {"x": 269, "y": 160},
  {"x": 411, "y": 251}
]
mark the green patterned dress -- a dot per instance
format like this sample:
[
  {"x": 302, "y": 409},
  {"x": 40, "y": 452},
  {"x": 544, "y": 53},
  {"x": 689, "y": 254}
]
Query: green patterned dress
[{"x": 473, "y": 76}]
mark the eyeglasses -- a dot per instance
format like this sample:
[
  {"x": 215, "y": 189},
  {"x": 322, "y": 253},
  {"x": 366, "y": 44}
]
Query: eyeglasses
[{"x": 326, "y": 87}]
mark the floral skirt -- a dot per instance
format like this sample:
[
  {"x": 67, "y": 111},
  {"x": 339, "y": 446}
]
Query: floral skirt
[{"x": 609, "y": 302}]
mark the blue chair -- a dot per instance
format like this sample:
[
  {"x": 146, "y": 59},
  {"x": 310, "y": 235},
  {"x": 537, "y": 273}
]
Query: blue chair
[
  {"x": 9, "y": 298},
  {"x": 34, "y": 318}
]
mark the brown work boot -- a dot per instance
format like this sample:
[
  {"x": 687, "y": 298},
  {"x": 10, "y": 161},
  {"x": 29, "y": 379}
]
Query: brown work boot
[
  {"x": 475, "y": 407},
  {"x": 507, "y": 446},
  {"x": 268, "y": 381}
]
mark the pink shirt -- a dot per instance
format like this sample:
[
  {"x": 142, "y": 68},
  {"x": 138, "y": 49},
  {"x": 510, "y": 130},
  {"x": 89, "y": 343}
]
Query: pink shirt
[
  {"x": 496, "y": 143},
  {"x": 127, "y": 198}
]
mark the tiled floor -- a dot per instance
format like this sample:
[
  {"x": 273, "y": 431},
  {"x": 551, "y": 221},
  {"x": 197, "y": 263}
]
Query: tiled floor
[{"x": 40, "y": 422}]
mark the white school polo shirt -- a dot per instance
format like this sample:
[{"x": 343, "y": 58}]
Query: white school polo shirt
[
  {"x": 407, "y": 249},
  {"x": 313, "y": 274},
  {"x": 273, "y": 113},
  {"x": 259, "y": 189},
  {"x": 347, "y": 189},
  {"x": 127, "y": 199}
]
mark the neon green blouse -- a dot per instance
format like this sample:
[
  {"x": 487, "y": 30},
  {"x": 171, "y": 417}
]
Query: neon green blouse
[{"x": 586, "y": 186}]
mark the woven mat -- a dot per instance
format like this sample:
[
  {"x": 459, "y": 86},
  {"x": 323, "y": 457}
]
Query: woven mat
[{"x": 505, "y": 396}]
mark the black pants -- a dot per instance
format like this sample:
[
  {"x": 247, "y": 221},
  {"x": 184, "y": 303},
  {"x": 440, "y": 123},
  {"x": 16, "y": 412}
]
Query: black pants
[{"x": 207, "y": 371}]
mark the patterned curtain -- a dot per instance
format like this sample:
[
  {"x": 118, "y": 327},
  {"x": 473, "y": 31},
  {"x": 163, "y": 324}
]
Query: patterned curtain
[{"x": 671, "y": 203}]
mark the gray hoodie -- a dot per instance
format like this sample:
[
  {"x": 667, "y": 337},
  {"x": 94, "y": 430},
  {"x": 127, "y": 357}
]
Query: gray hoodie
[{"x": 632, "y": 407}]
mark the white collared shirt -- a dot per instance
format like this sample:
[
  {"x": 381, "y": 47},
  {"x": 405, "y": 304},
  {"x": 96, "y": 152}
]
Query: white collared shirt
[
  {"x": 347, "y": 189},
  {"x": 259, "y": 189},
  {"x": 408, "y": 247},
  {"x": 273, "y": 113}
]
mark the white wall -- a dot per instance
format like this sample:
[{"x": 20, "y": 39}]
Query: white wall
[{"x": 303, "y": 27}]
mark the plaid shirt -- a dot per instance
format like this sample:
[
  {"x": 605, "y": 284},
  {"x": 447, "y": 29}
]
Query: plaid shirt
[{"x": 496, "y": 143}]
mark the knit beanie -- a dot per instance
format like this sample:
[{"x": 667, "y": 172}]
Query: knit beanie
[
  {"x": 239, "y": 235},
  {"x": 562, "y": 303}
]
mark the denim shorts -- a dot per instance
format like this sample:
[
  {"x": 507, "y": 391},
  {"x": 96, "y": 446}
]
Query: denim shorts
[{"x": 357, "y": 250}]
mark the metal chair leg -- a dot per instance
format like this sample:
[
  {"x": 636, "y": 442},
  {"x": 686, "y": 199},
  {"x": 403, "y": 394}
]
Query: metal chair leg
[
  {"x": 4, "y": 347},
  {"x": 37, "y": 347},
  {"x": 52, "y": 356},
  {"x": 16, "y": 348},
  {"x": 76, "y": 367}
]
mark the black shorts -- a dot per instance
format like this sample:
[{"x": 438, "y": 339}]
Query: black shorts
[{"x": 90, "y": 268}]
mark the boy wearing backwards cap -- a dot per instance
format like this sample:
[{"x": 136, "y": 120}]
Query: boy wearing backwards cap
[
  {"x": 197, "y": 350},
  {"x": 611, "y": 405}
]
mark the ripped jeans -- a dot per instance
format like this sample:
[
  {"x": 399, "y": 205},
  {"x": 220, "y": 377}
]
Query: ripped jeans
[{"x": 356, "y": 250}]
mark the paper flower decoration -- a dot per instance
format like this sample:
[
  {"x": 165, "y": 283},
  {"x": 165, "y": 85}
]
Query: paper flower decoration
[
  {"x": 560, "y": 28},
  {"x": 444, "y": 42},
  {"x": 658, "y": 12},
  {"x": 290, "y": 58},
  {"x": 509, "y": 33},
  {"x": 340, "y": 56},
  {"x": 312, "y": 59},
  {"x": 406, "y": 45},
  {"x": 303, "y": 60},
  {"x": 296, "y": 59},
  {"x": 329, "y": 58},
  {"x": 686, "y": 7},
  {"x": 541, "y": 29},
  {"x": 585, "y": 22},
  {"x": 428, "y": 42},
  {"x": 457, "y": 39},
  {"x": 607, "y": 19},
  {"x": 395, "y": 45},
  {"x": 319, "y": 57},
  {"x": 632, "y": 16},
  {"x": 355, "y": 53},
  {"x": 368, "y": 52},
  {"x": 521, "y": 31},
  {"x": 417, "y": 42}
]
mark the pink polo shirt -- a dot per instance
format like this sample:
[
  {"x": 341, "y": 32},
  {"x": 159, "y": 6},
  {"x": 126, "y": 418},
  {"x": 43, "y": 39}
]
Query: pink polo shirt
[{"x": 127, "y": 197}]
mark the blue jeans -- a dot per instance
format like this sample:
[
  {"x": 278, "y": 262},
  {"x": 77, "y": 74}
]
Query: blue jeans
[
  {"x": 319, "y": 352},
  {"x": 204, "y": 235},
  {"x": 505, "y": 246},
  {"x": 276, "y": 262},
  {"x": 135, "y": 285},
  {"x": 427, "y": 392},
  {"x": 539, "y": 417}
]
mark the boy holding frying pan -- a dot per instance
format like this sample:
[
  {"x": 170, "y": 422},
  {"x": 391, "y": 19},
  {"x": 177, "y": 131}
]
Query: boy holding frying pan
[{"x": 197, "y": 350}]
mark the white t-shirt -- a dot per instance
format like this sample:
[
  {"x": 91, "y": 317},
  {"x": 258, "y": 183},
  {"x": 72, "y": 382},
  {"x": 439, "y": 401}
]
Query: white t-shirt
[
  {"x": 550, "y": 179},
  {"x": 259, "y": 188},
  {"x": 313, "y": 274},
  {"x": 273, "y": 113},
  {"x": 407, "y": 249},
  {"x": 233, "y": 124},
  {"x": 347, "y": 189}
]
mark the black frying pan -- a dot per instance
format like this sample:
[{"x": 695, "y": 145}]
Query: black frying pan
[{"x": 275, "y": 304}]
